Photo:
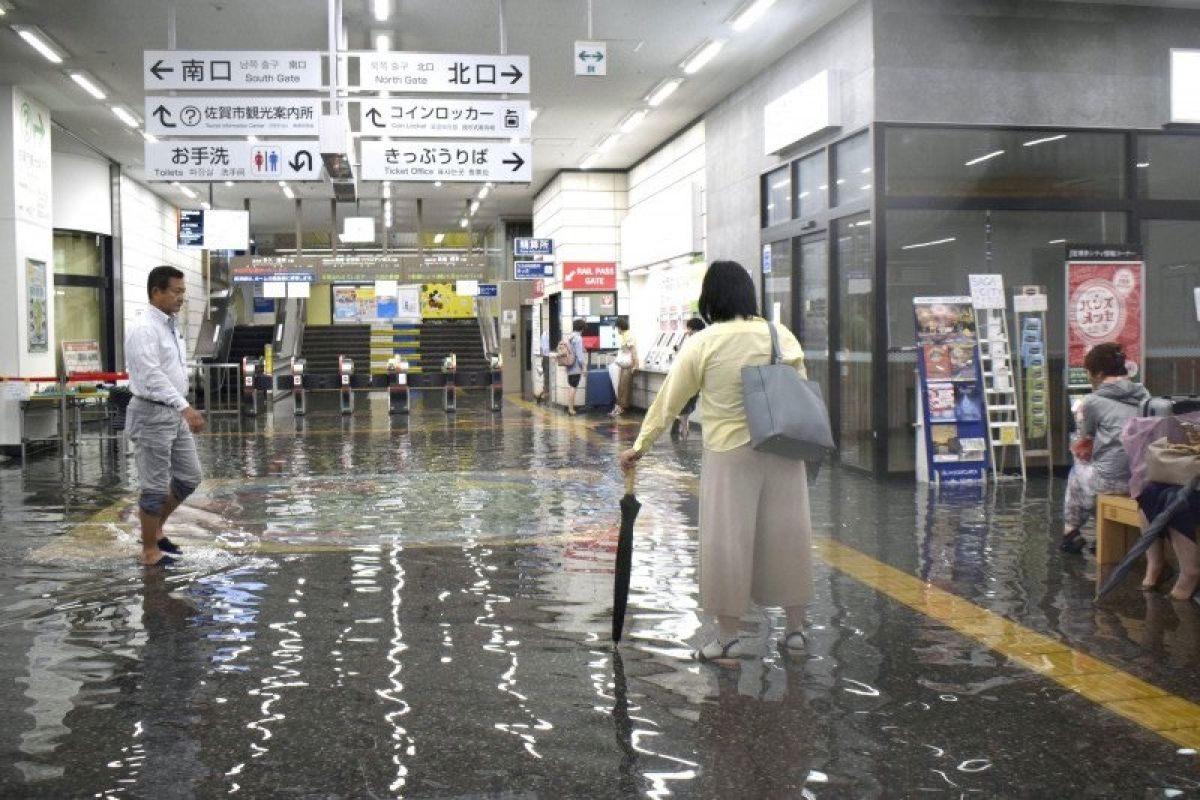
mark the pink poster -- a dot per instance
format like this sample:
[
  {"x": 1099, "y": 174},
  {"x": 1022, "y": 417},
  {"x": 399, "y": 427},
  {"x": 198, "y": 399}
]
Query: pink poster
[{"x": 1104, "y": 304}]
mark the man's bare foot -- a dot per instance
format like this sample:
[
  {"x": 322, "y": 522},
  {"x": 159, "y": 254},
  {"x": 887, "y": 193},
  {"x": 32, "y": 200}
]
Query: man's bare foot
[{"x": 152, "y": 558}]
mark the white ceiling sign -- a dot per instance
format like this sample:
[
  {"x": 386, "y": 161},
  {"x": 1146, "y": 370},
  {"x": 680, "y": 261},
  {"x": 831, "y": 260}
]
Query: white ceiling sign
[
  {"x": 231, "y": 69},
  {"x": 811, "y": 108},
  {"x": 446, "y": 160},
  {"x": 1185, "y": 86},
  {"x": 232, "y": 116},
  {"x": 443, "y": 72},
  {"x": 591, "y": 58},
  {"x": 233, "y": 160},
  {"x": 463, "y": 119}
]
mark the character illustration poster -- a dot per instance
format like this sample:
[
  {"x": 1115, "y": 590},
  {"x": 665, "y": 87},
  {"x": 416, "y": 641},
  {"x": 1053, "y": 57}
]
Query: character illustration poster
[
  {"x": 37, "y": 312},
  {"x": 1104, "y": 304}
]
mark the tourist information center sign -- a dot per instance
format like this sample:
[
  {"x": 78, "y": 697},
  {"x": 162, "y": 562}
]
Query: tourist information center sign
[
  {"x": 446, "y": 160},
  {"x": 236, "y": 115},
  {"x": 231, "y": 69}
]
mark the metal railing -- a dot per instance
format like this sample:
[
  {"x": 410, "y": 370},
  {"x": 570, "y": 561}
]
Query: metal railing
[{"x": 219, "y": 386}]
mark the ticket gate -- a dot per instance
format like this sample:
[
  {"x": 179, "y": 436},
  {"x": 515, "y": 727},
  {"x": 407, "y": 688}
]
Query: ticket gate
[
  {"x": 496, "y": 386},
  {"x": 345, "y": 376},
  {"x": 449, "y": 391},
  {"x": 397, "y": 386},
  {"x": 251, "y": 370},
  {"x": 299, "y": 397}
]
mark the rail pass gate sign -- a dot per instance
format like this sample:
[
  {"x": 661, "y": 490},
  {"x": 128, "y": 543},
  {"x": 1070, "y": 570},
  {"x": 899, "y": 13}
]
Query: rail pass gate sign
[{"x": 1105, "y": 303}]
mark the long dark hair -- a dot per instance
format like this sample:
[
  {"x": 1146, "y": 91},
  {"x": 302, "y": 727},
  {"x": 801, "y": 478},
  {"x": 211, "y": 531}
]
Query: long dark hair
[{"x": 727, "y": 293}]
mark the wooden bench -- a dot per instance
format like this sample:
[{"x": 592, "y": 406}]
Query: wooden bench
[{"x": 1118, "y": 526}]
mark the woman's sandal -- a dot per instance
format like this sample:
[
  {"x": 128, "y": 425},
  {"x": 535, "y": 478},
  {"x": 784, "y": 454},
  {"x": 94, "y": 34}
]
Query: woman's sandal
[
  {"x": 1073, "y": 542},
  {"x": 793, "y": 642}
]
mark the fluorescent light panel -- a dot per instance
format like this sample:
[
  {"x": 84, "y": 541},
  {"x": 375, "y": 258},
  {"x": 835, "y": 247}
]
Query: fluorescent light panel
[
  {"x": 633, "y": 120},
  {"x": 382, "y": 41},
  {"x": 608, "y": 142},
  {"x": 123, "y": 114},
  {"x": 701, "y": 56},
  {"x": 38, "y": 40},
  {"x": 441, "y": 237},
  {"x": 149, "y": 137},
  {"x": 462, "y": 223},
  {"x": 89, "y": 85},
  {"x": 935, "y": 242},
  {"x": 661, "y": 92},
  {"x": 1043, "y": 140},
  {"x": 381, "y": 10},
  {"x": 484, "y": 192},
  {"x": 288, "y": 193},
  {"x": 983, "y": 158},
  {"x": 750, "y": 13},
  {"x": 589, "y": 161}
]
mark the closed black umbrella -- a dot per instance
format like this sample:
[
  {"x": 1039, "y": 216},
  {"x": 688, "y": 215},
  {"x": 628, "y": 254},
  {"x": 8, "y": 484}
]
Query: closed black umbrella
[
  {"x": 629, "y": 511},
  {"x": 1157, "y": 527}
]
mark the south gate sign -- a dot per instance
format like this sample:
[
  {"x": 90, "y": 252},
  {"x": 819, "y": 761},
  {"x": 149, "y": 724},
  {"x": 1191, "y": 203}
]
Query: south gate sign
[{"x": 231, "y": 69}]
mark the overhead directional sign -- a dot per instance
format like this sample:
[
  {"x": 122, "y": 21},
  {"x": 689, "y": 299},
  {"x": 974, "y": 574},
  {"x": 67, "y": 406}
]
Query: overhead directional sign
[
  {"x": 446, "y": 160},
  {"x": 443, "y": 72},
  {"x": 523, "y": 246},
  {"x": 591, "y": 58},
  {"x": 476, "y": 119},
  {"x": 233, "y": 160},
  {"x": 232, "y": 116},
  {"x": 533, "y": 270},
  {"x": 231, "y": 69}
]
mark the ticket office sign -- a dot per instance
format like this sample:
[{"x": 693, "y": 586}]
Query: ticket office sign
[
  {"x": 446, "y": 160},
  {"x": 952, "y": 388}
]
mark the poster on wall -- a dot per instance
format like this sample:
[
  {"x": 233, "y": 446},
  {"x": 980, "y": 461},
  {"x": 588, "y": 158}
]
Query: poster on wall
[
  {"x": 345, "y": 303},
  {"x": 439, "y": 301},
  {"x": 951, "y": 388},
  {"x": 1105, "y": 303},
  {"x": 36, "y": 312}
]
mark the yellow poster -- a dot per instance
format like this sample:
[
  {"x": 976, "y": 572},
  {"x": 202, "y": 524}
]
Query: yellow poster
[
  {"x": 438, "y": 301},
  {"x": 366, "y": 303}
]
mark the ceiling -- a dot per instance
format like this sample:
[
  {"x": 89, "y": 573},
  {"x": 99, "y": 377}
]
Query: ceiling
[{"x": 647, "y": 41}]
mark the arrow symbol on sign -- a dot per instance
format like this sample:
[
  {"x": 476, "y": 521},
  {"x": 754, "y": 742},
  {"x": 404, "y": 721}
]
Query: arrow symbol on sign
[
  {"x": 516, "y": 161},
  {"x": 513, "y": 72},
  {"x": 162, "y": 112},
  {"x": 157, "y": 70},
  {"x": 597, "y": 56},
  {"x": 374, "y": 115},
  {"x": 302, "y": 157}
]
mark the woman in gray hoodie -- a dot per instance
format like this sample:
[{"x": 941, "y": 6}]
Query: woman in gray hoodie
[{"x": 1101, "y": 417}]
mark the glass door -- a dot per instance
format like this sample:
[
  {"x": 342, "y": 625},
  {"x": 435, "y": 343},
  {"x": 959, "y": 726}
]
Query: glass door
[
  {"x": 777, "y": 283},
  {"x": 855, "y": 342},
  {"x": 813, "y": 328}
]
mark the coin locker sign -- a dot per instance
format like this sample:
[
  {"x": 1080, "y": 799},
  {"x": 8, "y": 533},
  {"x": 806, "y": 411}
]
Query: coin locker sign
[
  {"x": 443, "y": 73},
  {"x": 231, "y": 69},
  {"x": 463, "y": 119},
  {"x": 233, "y": 160},
  {"x": 446, "y": 160},
  {"x": 232, "y": 116}
]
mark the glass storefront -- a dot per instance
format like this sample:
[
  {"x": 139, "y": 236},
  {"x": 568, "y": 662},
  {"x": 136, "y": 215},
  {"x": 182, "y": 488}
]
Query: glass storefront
[
  {"x": 778, "y": 197},
  {"x": 81, "y": 295}
]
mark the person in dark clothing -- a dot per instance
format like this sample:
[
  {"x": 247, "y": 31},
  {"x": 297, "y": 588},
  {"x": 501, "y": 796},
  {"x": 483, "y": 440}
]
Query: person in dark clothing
[{"x": 1101, "y": 465}]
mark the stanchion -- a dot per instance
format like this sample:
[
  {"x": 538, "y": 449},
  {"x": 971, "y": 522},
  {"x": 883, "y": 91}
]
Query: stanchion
[{"x": 397, "y": 386}]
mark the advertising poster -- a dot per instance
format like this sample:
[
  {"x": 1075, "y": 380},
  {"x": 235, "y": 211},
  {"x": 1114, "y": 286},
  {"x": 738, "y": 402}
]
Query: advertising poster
[
  {"x": 952, "y": 388},
  {"x": 366, "y": 303},
  {"x": 36, "y": 311},
  {"x": 345, "y": 303},
  {"x": 1104, "y": 304},
  {"x": 439, "y": 301}
]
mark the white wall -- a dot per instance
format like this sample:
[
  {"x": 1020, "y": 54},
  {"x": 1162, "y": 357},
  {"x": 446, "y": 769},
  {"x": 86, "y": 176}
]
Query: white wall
[
  {"x": 82, "y": 194},
  {"x": 148, "y": 239}
]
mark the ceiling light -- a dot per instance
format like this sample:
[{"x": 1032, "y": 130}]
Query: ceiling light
[
  {"x": 489, "y": 184},
  {"x": 703, "y": 54},
  {"x": 387, "y": 190},
  {"x": 5, "y": 7},
  {"x": 123, "y": 114},
  {"x": 1057, "y": 241},
  {"x": 441, "y": 237},
  {"x": 383, "y": 41},
  {"x": 662, "y": 92},
  {"x": 89, "y": 85},
  {"x": 207, "y": 206},
  {"x": 288, "y": 193},
  {"x": 588, "y": 162},
  {"x": 1043, "y": 140},
  {"x": 633, "y": 120},
  {"x": 229, "y": 183},
  {"x": 608, "y": 142},
  {"x": 474, "y": 207},
  {"x": 483, "y": 193},
  {"x": 39, "y": 41},
  {"x": 1143, "y": 164},
  {"x": 185, "y": 190},
  {"x": 865, "y": 170},
  {"x": 381, "y": 9},
  {"x": 149, "y": 137},
  {"x": 750, "y": 13},
  {"x": 252, "y": 139},
  {"x": 947, "y": 240},
  {"x": 437, "y": 184},
  {"x": 533, "y": 113},
  {"x": 462, "y": 223},
  {"x": 282, "y": 184},
  {"x": 983, "y": 158}
]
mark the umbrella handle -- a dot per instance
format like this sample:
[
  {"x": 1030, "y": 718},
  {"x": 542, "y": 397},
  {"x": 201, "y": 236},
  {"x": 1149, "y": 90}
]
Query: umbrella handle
[{"x": 630, "y": 479}]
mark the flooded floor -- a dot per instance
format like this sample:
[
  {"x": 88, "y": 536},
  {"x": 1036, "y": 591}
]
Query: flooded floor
[{"x": 375, "y": 607}]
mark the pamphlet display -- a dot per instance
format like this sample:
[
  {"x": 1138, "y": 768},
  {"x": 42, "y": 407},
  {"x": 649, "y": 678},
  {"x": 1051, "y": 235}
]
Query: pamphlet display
[
  {"x": 951, "y": 388},
  {"x": 1030, "y": 305},
  {"x": 999, "y": 386}
]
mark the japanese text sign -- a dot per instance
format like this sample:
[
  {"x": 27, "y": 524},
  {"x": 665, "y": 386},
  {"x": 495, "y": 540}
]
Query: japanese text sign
[
  {"x": 232, "y": 160},
  {"x": 443, "y": 72},
  {"x": 533, "y": 247},
  {"x": 467, "y": 119},
  {"x": 532, "y": 270},
  {"x": 446, "y": 160},
  {"x": 232, "y": 116},
  {"x": 231, "y": 69},
  {"x": 590, "y": 275},
  {"x": 1104, "y": 304}
]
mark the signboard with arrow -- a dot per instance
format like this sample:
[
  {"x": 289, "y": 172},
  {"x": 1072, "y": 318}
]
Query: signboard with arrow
[
  {"x": 591, "y": 58},
  {"x": 446, "y": 160},
  {"x": 269, "y": 70},
  {"x": 443, "y": 72},
  {"x": 463, "y": 119},
  {"x": 193, "y": 115},
  {"x": 233, "y": 160}
]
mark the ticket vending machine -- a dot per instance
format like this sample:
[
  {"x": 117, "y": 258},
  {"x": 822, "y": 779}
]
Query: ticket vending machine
[
  {"x": 450, "y": 393},
  {"x": 251, "y": 369},
  {"x": 397, "y": 386},
  {"x": 496, "y": 385},
  {"x": 299, "y": 398},
  {"x": 345, "y": 384}
]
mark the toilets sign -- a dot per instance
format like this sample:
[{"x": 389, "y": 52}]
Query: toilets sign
[{"x": 233, "y": 160}]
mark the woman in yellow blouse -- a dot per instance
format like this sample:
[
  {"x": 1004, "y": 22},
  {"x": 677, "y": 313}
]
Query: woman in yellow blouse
[{"x": 755, "y": 530}]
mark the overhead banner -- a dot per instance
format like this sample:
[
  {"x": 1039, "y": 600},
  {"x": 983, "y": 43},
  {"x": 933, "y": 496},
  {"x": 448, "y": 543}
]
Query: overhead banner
[
  {"x": 951, "y": 390},
  {"x": 463, "y": 119},
  {"x": 233, "y": 160},
  {"x": 1105, "y": 303}
]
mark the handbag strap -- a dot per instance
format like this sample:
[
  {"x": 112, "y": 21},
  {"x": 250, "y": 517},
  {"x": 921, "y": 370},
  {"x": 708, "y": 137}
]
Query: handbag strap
[{"x": 776, "y": 358}]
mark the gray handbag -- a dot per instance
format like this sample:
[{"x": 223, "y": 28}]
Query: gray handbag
[{"x": 786, "y": 413}]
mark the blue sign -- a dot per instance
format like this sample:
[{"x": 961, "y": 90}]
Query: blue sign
[
  {"x": 489, "y": 290},
  {"x": 766, "y": 259},
  {"x": 284, "y": 277},
  {"x": 264, "y": 305},
  {"x": 533, "y": 270},
  {"x": 533, "y": 247}
]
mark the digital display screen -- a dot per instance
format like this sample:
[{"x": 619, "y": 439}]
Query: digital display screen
[
  {"x": 214, "y": 230},
  {"x": 191, "y": 227}
]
